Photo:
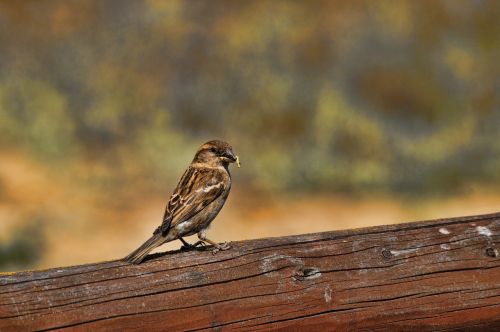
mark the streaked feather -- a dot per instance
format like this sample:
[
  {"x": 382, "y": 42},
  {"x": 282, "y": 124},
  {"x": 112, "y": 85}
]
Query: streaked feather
[{"x": 198, "y": 187}]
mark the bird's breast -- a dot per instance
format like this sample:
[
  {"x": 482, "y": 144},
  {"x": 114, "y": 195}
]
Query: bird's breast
[{"x": 202, "y": 219}]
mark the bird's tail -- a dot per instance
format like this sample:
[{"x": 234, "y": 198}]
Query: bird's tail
[{"x": 138, "y": 255}]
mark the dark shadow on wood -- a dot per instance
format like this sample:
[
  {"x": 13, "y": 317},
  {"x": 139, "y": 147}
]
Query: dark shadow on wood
[{"x": 173, "y": 252}]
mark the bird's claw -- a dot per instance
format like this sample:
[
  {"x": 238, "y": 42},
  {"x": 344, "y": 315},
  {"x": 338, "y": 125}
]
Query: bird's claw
[
  {"x": 199, "y": 243},
  {"x": 220, "y": 247},
  {"x": 185, "y": 247},
  {"x": 193, "y": 246}
]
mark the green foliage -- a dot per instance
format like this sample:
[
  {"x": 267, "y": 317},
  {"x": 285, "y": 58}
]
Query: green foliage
[
  {"x": 333, "y": 95},
  {"x": 34, "y": 115},
  {"x": 163, "y": 150},
  {"x": 24, "y": 249}
]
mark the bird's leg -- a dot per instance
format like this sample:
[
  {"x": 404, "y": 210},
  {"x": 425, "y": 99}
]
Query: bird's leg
[
  {"x": 202, "y": 236},
  {"x": 186, "y": 245}
]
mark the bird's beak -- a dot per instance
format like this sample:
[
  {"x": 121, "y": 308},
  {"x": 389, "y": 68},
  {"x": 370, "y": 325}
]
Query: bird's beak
[
  {"x": 229, "y": 154},
  {"x": 231, "y": 157}
]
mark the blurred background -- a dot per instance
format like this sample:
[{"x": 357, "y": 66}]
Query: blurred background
[{"x": 345, "y": 114}]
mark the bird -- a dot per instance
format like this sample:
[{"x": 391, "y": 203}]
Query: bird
[{"x": 198, "y": 198}]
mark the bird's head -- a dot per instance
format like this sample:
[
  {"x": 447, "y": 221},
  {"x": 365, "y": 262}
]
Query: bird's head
[{"x": 216, "y": 153}]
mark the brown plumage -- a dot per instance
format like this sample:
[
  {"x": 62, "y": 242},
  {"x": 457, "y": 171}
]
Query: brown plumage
[{"x": 196, "y": 201}]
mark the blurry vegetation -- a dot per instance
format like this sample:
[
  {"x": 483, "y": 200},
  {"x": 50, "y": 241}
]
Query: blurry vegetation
[
  {"x": 34, "y": 115},
  {"x": 350, "y": 96},
  {"x": 379, "y": 97},
  {"x": 24, "y": 249}
]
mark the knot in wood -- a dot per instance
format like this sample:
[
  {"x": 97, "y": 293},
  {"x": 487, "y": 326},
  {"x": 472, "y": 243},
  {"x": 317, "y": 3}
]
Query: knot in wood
[
  {"x": 386, "y": 254},
  {"x": 491, "y": 252},
  {"x": 307, "y": 273}
]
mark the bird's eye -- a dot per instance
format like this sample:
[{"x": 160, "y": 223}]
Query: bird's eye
[{"x": 212, "y": 150}]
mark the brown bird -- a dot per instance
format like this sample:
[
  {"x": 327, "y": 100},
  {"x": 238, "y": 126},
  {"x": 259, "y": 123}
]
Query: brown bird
[{"x": 196, "y": 201}]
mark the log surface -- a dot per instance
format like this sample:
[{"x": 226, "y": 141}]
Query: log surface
[{"x": 433, "y": 275}]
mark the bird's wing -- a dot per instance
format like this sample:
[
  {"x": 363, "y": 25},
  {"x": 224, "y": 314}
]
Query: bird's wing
[{"x": 197, "y": 188}]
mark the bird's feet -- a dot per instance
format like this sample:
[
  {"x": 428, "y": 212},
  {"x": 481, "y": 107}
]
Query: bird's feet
[
  {"x": 219, "y": 247},
  {"x": 189, "y": 246}
]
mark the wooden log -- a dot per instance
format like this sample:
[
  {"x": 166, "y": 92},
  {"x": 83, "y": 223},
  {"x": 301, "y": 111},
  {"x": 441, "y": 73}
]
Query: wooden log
[{"x": 434, "y": 275}]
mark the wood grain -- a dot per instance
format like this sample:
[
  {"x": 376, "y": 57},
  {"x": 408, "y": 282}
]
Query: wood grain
[{"x": 434, "y": 275}]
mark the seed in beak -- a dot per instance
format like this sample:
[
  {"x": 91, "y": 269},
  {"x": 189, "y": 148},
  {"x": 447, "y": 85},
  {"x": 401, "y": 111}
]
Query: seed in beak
[{"x": 238, "y": 161}]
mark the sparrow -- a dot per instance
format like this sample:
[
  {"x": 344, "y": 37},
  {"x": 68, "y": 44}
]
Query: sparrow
[{"x": 196, "y": 201}]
